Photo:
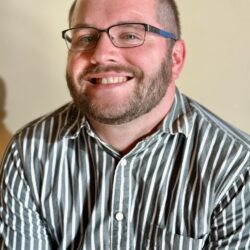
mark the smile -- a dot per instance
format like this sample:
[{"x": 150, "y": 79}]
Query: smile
[{"x": 109, "y": 80}]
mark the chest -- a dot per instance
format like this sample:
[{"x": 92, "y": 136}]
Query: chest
[{"x": 154, "y": 197}]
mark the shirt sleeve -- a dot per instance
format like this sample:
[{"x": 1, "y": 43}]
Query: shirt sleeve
[
  {"x": 230, "y": 223},
  {"x": 21, "y": 225}
]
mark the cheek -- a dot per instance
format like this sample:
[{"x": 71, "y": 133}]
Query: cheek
[
  {"x": 76, "y": 63},
  {"x": 149, "y": 56},
  {"x": 147, "y": 63}
]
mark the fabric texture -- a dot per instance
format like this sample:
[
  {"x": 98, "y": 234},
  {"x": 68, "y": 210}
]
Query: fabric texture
[{"x": 187, "y": 186}]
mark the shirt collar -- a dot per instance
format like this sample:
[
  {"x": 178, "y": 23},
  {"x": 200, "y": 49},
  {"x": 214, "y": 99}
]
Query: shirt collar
[
  {"x": 74, "y": 122},
  {"x": 178, "y": 120}
]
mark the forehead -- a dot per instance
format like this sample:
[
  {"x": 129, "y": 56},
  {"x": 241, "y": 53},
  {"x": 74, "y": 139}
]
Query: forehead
[{"x": 102, "y": 13}]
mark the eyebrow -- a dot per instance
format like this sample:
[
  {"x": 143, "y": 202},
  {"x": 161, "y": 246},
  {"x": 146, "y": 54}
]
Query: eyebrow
[
  {"x": 81, "y": 25},
  {"x": 84, "y": 25}
]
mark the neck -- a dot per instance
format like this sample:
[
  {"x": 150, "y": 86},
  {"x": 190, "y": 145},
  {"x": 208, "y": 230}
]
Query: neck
[{"x": 125, "y": 136}]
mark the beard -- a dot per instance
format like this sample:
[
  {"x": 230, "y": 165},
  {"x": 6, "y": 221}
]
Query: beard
[{"x": 148, "y": 92}]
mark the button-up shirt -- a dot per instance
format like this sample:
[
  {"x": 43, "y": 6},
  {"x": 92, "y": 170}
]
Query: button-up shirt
[{"x": 186, "y": 186}]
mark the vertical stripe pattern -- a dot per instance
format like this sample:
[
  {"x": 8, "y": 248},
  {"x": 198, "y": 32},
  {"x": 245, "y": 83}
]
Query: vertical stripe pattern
[{"x": 187, "y": 186}]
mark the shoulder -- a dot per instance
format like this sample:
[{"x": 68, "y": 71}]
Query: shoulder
[
  {"x": 222, "y": 150},
  {"x": 43, "y": 136},
  {"x": 47, "y": 129},
  {"x": 50, "y": 124},
  {"x": 211, "y": 123}
]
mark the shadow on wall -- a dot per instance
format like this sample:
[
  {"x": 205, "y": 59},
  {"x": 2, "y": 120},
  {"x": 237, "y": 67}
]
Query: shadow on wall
[{"x": 5, "y": 134}]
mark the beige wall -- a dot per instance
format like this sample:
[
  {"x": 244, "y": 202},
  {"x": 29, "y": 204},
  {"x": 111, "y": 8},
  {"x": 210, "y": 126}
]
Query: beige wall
[
  {"x": 217, "y": 71},
  {"x": 33, "y": 55}
]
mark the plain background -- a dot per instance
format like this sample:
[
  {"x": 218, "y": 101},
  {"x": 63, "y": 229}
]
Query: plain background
[{"x": 33, "y": 59}]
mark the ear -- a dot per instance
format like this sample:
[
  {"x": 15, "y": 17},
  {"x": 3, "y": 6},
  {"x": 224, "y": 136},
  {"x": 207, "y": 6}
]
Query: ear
[{"x": 178, "y": 58}]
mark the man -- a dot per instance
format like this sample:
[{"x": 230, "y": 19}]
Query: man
[{"x": 132, "y": 163}]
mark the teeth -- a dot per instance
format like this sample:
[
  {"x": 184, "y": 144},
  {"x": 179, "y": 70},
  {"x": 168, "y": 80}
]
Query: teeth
[{"x": 109, "y": 80}]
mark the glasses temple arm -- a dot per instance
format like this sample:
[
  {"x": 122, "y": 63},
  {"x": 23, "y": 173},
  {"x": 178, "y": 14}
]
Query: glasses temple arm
[{"x": 160, "y": 32}]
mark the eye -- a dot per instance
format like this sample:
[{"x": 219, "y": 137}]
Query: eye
[
  {"x": 130, "y": 36},
  {"x": 86, "y": 39}
]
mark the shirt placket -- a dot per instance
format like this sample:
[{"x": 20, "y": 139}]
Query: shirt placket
[{"x": 119, "y": 206}]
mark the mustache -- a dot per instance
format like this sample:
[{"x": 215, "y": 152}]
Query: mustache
[{"x": 115, "y": 68}]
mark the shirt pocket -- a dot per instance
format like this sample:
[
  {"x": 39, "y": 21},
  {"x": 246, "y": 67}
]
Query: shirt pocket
[{"x": 157, "y": 238}]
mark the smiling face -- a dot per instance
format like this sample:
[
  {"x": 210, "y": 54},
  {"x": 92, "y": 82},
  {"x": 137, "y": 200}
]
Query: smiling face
[{"x": 116, "y": 85}]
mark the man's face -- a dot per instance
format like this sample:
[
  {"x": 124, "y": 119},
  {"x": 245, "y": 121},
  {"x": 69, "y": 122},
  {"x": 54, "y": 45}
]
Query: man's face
[{"x": 116, "y": 85}]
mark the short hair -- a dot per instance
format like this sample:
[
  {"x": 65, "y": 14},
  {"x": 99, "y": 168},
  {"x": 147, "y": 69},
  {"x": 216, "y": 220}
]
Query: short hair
[
  {"x": 71, "y": 12},
  {"x": 167, "y": 15}
]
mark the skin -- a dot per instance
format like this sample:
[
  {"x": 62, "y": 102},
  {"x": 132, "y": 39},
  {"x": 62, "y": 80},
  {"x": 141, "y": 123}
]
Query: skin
[{"x": 140, "y": 66}]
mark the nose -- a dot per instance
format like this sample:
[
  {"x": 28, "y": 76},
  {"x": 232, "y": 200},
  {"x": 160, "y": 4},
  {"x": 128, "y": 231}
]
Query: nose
[{"x": 105, "y": 51}]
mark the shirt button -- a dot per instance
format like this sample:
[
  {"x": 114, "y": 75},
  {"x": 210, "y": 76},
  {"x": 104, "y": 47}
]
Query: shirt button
[
  {"x": 119, "y": 216},
  {"x": 123, "y": 162}
]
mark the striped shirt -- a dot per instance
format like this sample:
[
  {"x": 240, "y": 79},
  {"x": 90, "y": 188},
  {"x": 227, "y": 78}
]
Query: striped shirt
[{"x": 187, "y": 186}]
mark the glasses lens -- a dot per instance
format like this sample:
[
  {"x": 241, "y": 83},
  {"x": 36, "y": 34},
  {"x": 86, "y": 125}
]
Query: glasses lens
[
  {"x": 127, "y": 35},
  {"x": 81, "y": 39}
]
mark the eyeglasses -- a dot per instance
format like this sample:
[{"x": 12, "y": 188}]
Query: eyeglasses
[{"x": 125, "y": 35}]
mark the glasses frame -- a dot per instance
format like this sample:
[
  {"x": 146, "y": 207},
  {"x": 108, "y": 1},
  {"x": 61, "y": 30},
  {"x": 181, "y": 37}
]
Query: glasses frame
[{"x": 148, "y": 28}]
